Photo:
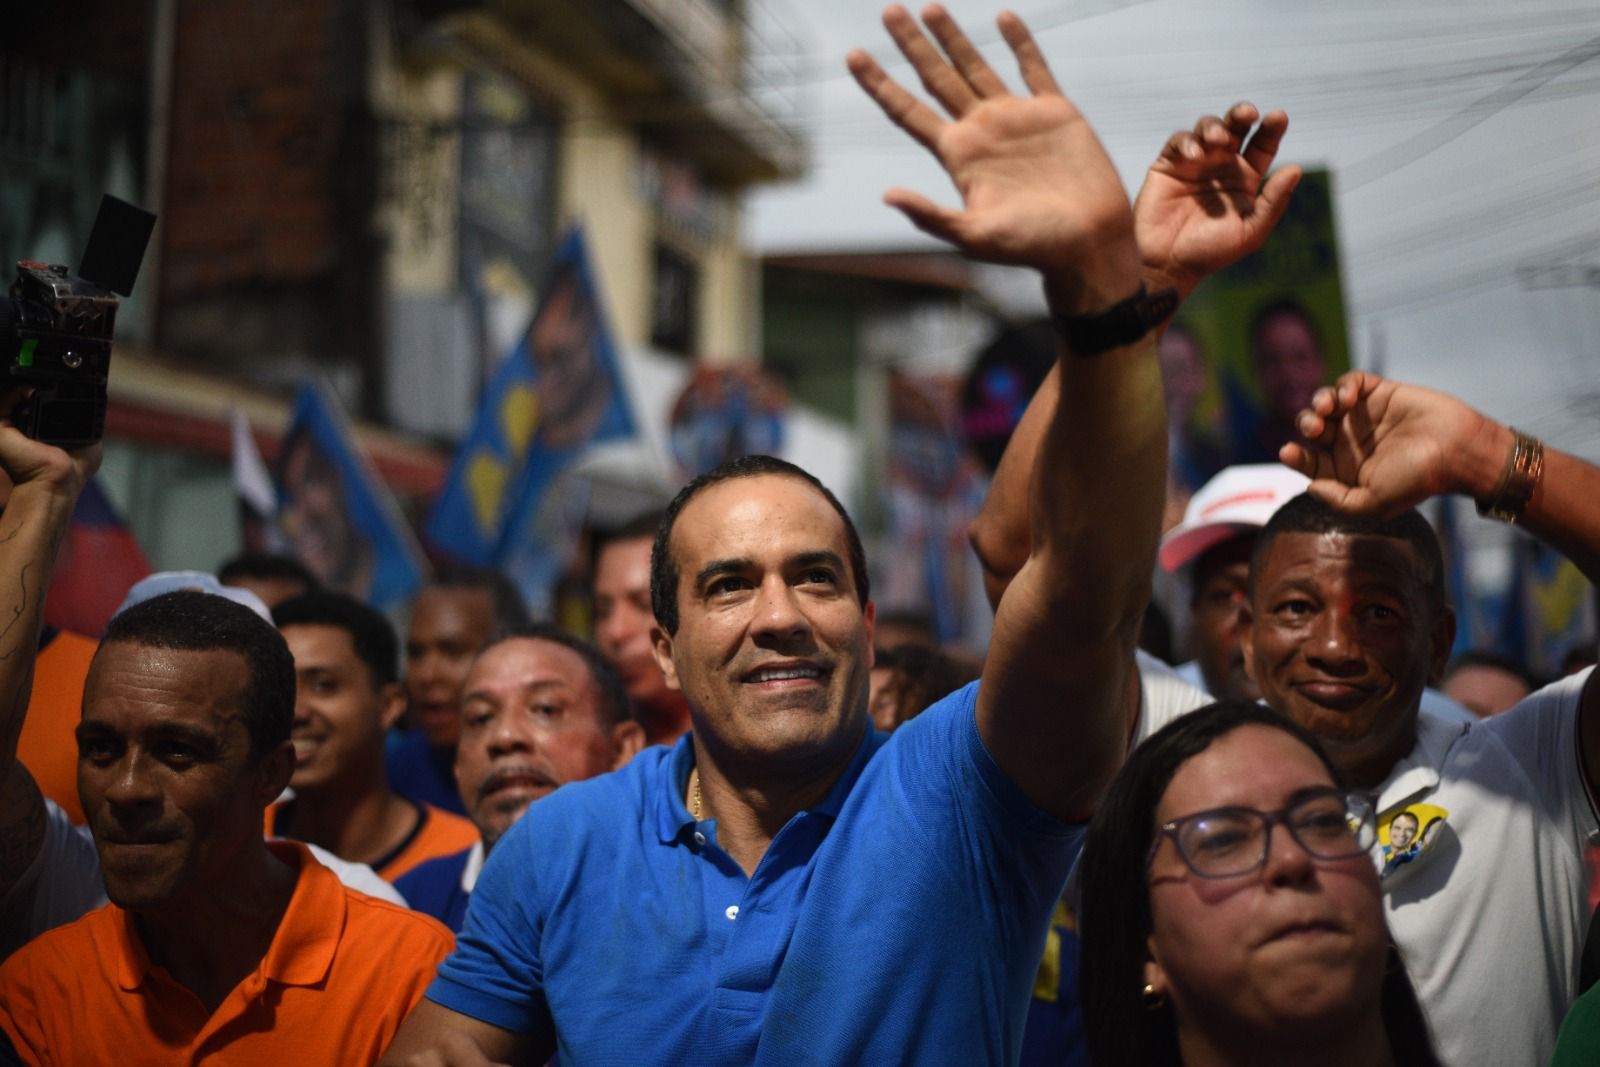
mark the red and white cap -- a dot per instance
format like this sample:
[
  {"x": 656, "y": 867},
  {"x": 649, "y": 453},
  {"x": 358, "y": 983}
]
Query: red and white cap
[{"x": 1238, "y": 500}]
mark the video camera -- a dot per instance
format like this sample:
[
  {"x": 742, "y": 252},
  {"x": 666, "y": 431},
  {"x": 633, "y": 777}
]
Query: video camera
[{"x": 55, "y": 329}]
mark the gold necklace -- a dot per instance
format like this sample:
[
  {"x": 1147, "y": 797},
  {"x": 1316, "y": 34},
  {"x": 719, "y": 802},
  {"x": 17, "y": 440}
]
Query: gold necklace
[{"x": 694, "y": 793}]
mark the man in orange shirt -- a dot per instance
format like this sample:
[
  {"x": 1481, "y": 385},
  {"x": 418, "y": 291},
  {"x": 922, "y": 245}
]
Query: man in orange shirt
[
  {"x": 346, "y": 661},
  {"x": 216, "y": 945}
]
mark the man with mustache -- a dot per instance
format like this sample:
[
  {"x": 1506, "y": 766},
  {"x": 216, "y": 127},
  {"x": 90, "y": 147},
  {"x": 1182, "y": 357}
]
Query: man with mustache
[
  {"x": 785, "y": 885},
  {"x": 540, "y": 708}
]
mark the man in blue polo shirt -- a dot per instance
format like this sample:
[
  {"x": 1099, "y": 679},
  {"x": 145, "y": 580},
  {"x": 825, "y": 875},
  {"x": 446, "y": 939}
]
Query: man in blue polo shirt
[{"x": 785, "y": 885}]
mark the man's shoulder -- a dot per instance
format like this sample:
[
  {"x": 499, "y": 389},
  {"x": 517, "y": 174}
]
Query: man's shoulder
[
  {"x": 400, "y": 931},
  {"x": 432, "y": 878},
  {"x": 69, "y": 947},
  {"x": 448, "y": 823}
]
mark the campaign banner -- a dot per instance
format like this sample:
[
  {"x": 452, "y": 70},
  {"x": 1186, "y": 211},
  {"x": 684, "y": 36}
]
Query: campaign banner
[
  {"x": 553, "y": 396},
  {"x": 724, "y": 413},
  {"x": 935, "y": 490},
  {"x": 1250, "y": 346},
  {"x": 334, "y": 512}
]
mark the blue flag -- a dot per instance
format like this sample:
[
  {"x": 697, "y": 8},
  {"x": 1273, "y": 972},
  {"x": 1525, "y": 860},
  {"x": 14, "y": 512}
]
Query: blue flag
[
  {"x": 557, "y": 393},
  {"x": 335, "y": 512}
]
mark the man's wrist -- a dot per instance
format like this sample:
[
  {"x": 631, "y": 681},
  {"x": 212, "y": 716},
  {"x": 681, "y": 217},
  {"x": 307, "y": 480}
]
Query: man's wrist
[
  {"x": 1119, "y": 325},
  {"x": 1485, "y": 459}
]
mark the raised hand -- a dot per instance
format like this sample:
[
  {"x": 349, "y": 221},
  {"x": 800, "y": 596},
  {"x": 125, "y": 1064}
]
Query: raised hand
[
  {"x": 1379, "y": 447},
  {"x": 1207, "y": 200},
  {"x": 1037, "y": 189},
  {"x": 26, "y": 461}
]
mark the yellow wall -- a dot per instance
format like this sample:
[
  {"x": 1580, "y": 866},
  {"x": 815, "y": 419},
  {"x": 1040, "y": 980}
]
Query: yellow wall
[{"x": 600, "y": 160}]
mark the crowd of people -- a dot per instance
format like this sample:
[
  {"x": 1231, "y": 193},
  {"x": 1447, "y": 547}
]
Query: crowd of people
[{"x": 731, "y": 830}]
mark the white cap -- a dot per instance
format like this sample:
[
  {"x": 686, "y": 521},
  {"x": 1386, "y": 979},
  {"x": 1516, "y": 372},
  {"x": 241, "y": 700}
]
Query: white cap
[
  {"x": 1238, "y": 500},
  {"x": 197, "y": 581}
]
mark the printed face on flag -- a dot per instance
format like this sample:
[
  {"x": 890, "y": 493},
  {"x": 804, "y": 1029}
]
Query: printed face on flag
[{"x": 315, "y": 516}]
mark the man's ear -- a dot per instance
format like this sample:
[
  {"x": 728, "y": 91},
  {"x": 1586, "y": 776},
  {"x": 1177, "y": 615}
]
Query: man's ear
[
  {"x": 627, "y": 738},
  {"x": 273, "y": 773},
  {"x": 661, "y": 648},
  {"x": 1441, "y": 639},
  {"x": 392, "y": 698}
]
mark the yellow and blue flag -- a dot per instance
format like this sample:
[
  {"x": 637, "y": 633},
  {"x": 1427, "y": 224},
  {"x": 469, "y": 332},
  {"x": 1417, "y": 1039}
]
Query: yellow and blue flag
[{"x": 555, "y": 394}]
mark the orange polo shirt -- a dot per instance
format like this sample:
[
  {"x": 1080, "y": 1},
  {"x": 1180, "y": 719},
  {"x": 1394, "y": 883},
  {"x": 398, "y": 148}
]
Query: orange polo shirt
[
  {"x": 48, "y": 746},
  {"x": 340, "y": 976},
  {"x": 437, "y": 833}
]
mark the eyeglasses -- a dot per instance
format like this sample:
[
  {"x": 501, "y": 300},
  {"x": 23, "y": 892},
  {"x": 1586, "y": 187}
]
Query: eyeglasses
[{"x": 1227, "y": 842}]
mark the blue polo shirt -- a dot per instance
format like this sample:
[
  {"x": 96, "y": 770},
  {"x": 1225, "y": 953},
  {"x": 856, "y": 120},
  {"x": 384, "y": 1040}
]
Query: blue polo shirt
[{"x": 901, "y": 920}]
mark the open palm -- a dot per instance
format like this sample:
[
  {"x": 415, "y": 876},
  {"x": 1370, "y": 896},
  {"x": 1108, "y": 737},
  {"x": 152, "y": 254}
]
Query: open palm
[{"x": 1206, "y": 201}]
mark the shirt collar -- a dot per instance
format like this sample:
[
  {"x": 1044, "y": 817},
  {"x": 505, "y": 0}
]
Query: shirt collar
[
  {"x": 672, "y": 818},
  {"x": 473, "y": 867},
  {"x": 1418, "y": 770},
  {"x": 302, "y": 950}
]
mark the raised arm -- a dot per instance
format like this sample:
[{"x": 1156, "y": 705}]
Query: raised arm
[
  {"x": 44, "y": 486},
  {"x": 1378, "y": 447},
  {"x": 1039, "y": 191},
  {"x": 1206, "y": 203}
]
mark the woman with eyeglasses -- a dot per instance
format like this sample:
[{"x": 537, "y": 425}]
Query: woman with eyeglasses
[{"x": 1230, "y": 911}]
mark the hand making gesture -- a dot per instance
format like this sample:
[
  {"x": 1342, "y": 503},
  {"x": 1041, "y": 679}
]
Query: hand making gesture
[
  {"x": 1037, "y": 189},
  {"x": 1376, "y": 446},
  {"x": 1207, "y": 200}
]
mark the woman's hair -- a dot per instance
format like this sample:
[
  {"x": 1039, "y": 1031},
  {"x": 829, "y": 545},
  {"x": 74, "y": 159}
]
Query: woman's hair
[{"x": 1114, "y": 916}]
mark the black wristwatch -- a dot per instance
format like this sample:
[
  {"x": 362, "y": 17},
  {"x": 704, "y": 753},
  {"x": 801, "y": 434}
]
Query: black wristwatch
[{"x": 1120, "y": 324}]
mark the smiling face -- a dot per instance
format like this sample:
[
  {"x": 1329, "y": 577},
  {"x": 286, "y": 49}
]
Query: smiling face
[
  {"x": 1288, "y": 362},
  {"x": 340, "y": 716},
  {"x": 165, "y": 771},
  {"x": 1343, "y": 639},
  {"x": 1295, "y": 947},
  {"x": 1402, "y": 831},
  {"x": 531, "y": 722},
  {"x": 449, "y": 625},
  {"x": 773, "y": 646}
]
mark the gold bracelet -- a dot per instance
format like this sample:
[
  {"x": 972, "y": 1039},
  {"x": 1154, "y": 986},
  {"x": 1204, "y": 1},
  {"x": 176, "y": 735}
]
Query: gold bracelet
[{"x": 1524, "y": 467}]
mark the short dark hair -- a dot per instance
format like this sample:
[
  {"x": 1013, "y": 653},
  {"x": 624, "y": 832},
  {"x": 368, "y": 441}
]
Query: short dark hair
[
  {"x": 1306, "y": 514},
  {"x": 370, "y": 633},
  {"x": 505, "y": 602},
  {"x": 1283, "y": 305},
  {"x": 1115, "y": 916},
  {"x": 191, "y": 621},
  {"x": 1482, "y": 658},
  {"x": 266, "y": 567},
  {"x": 1407, "y": 815},
  {"x": 614, "y": 705},
  {"x": 664, "y": 569},
  {"x": 636, "y": 528}
]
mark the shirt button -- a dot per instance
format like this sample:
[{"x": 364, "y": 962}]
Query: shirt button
[
  {"x": 732, "y": 913},
  {"x": 699, "y": 838}
]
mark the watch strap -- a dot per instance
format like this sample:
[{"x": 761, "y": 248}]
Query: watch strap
[{"x": 1120, "y": 324}]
